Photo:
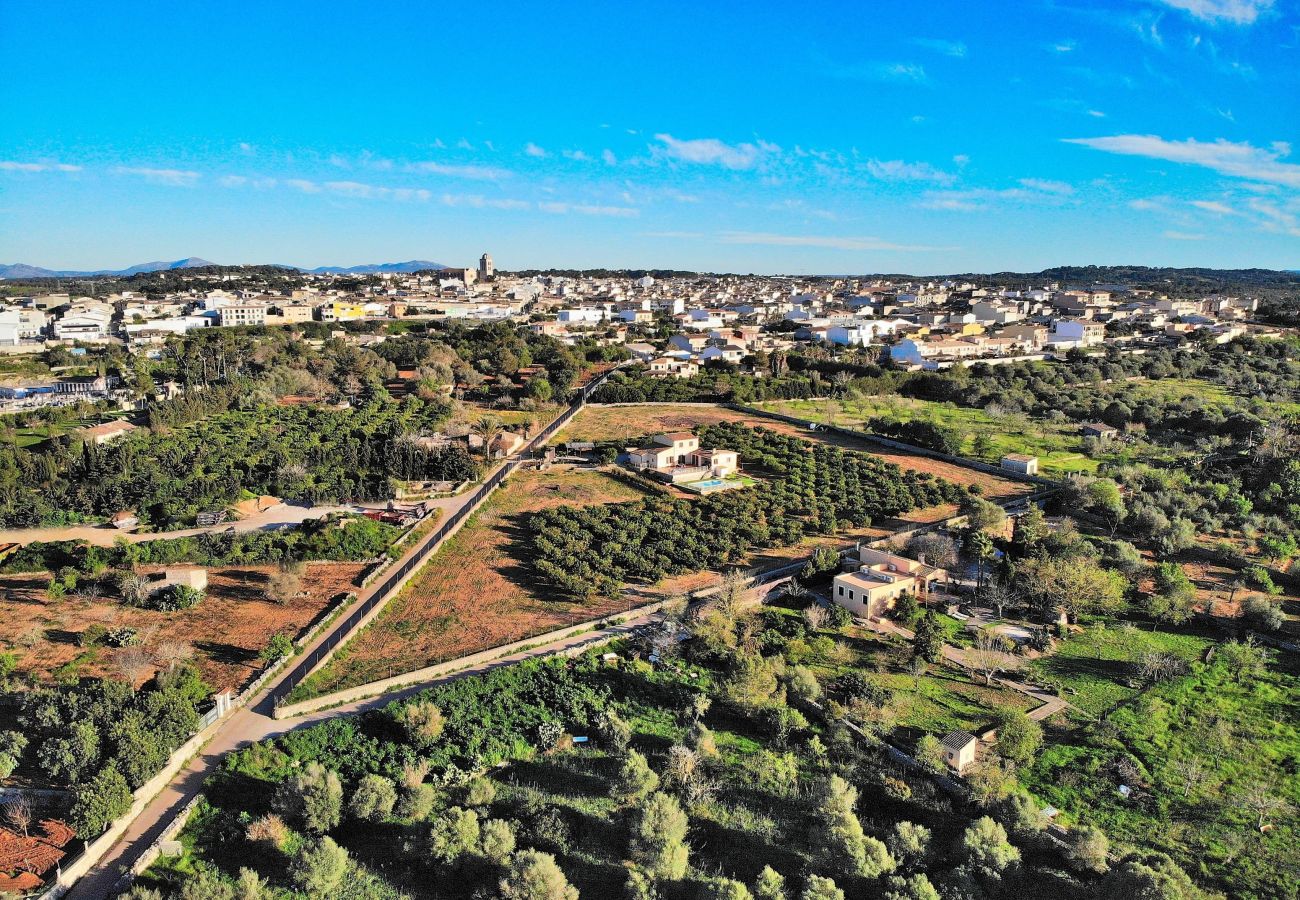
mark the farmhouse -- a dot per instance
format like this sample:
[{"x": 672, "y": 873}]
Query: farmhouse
[
  {"x": 1099, "y": 430},
  {"x": 108, "y": 431},
  {"x": 873, "y": 581},
  {"x": 676, "y": 457}
]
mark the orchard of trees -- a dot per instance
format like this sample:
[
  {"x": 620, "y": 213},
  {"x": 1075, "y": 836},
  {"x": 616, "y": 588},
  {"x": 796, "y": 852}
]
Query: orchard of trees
[
  {"x": 806, "y": 489},
  {"x": 308, "y": 453},
  {"x": 103, "y": 738}
]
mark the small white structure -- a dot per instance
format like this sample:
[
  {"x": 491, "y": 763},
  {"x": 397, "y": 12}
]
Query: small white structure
[
  {"x": 958, "y": 750},
  {"x": 1020, "y": 463}
]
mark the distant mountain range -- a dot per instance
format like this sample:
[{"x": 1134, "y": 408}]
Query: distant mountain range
[
  {"x": 414, "y": 265},
  {"x": 22, "y": 270}
]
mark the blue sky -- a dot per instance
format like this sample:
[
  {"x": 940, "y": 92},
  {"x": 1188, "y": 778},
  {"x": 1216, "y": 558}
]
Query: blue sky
[{"x": 763, "y": 136}]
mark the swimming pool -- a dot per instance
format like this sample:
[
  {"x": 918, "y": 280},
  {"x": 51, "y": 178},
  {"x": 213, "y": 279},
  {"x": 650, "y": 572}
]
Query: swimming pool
[{"x": 711, "y": 483}]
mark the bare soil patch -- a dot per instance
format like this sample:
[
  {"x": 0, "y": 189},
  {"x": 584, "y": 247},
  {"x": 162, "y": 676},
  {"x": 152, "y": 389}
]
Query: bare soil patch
[
  {"x": 477, "y": 591},
  {"x": 227, "y": 630}
]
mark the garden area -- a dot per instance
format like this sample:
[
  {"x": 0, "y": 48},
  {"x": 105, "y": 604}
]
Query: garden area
[
  {"x": 805, "y": 488},
  {"x": 87, "y": 632},
  {"x": 978, "y": 434}
]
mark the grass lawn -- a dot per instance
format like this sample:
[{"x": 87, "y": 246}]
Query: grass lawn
[
  {"x": 1199, "y": 752},
  {"x": 1175, "y": 389},
  {"x": 1093, "y": 668}
]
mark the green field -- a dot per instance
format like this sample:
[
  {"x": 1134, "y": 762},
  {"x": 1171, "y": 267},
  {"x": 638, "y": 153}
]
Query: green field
[
  {"x": 1094, "y": 668},
  {"x": 1059, "y": 448},
  {"x": 1210, "y": 761}
]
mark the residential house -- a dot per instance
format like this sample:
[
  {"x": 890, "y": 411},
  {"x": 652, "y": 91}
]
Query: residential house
[
  {"x": 672, "y": 367},
  {"x": 873, "y": 581},
  {"x": 106, "y": 432},
  {"x": 677, "y": 457},
  {"x": 1076, "y": 332},
  {"x": 242, "y": 314},
  {"x": 1099, "y": 430}
]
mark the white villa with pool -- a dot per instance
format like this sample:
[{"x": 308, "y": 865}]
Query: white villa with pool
[{"x": 677, "y": 458}]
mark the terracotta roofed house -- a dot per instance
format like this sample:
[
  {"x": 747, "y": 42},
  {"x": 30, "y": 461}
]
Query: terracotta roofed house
[{"x": 873, "y": 581}]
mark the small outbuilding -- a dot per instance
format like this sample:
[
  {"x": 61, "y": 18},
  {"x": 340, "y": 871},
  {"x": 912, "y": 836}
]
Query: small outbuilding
[
  {"x": 959, "y": 750},
  {"x": 1020, "y": 463},
  {"x": 124, "y": 520}
]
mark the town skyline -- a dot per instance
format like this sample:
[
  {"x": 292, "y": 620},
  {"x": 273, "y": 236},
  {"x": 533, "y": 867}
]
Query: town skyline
[{"x": 1151, "y": 132}]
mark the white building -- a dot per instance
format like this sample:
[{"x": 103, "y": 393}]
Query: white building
[
  {"x": 591, "y": 315},
  {"x": 85, "y": 321},
  {"x": 243, "y": 314}
]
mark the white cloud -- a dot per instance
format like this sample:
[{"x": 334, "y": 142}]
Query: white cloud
[
  {"x": 14, "y": 166},
  {"x": 1148, "y": 29},
  {"x": 171, "y": 177},
  {"x": 362, "y": 191},
  {"x": 961, "y": 159},
  {"x": 826, "y": 242},
  {"x": 232, "y": 181},
  {"x": 1183, "y": 236},
  {"x": 1274, "y": 218},
  {"x": 623, "y": 212},
  {"x": 1232, "y": 12},
  {"x": 463, "y": 144},
  {"x": 1149, "y": 204},
  {"x": 955, "y": 49},
  {"x": 477, "y": 201},
  {"x": 302, "y": 184},
  {"x": 1214, "y": 206},
  {"x": 1063, "y": 47},
  {"x": 608, "y": 156},
  {"x": 902, "y": 72},
  {"x": 472, "y": 172},
  {"x": 898, "y": 170},
  {"x": 1031, "y": 190},
  {"x": 247, "y": 149},
  {"x": 531, "y": 149},
  {"x": 711, "y": 151},
  {"x": 1096, "y": 114},
  {"x": 1049, "y": 187},
  {"x": 1239, "y": 160}
]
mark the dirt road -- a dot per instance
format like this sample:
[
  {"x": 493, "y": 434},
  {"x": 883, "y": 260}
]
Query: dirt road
[{"x": 108, "y": 536}]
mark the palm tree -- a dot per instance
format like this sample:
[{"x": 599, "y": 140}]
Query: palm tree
[{"x": 487, "y": 428}]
